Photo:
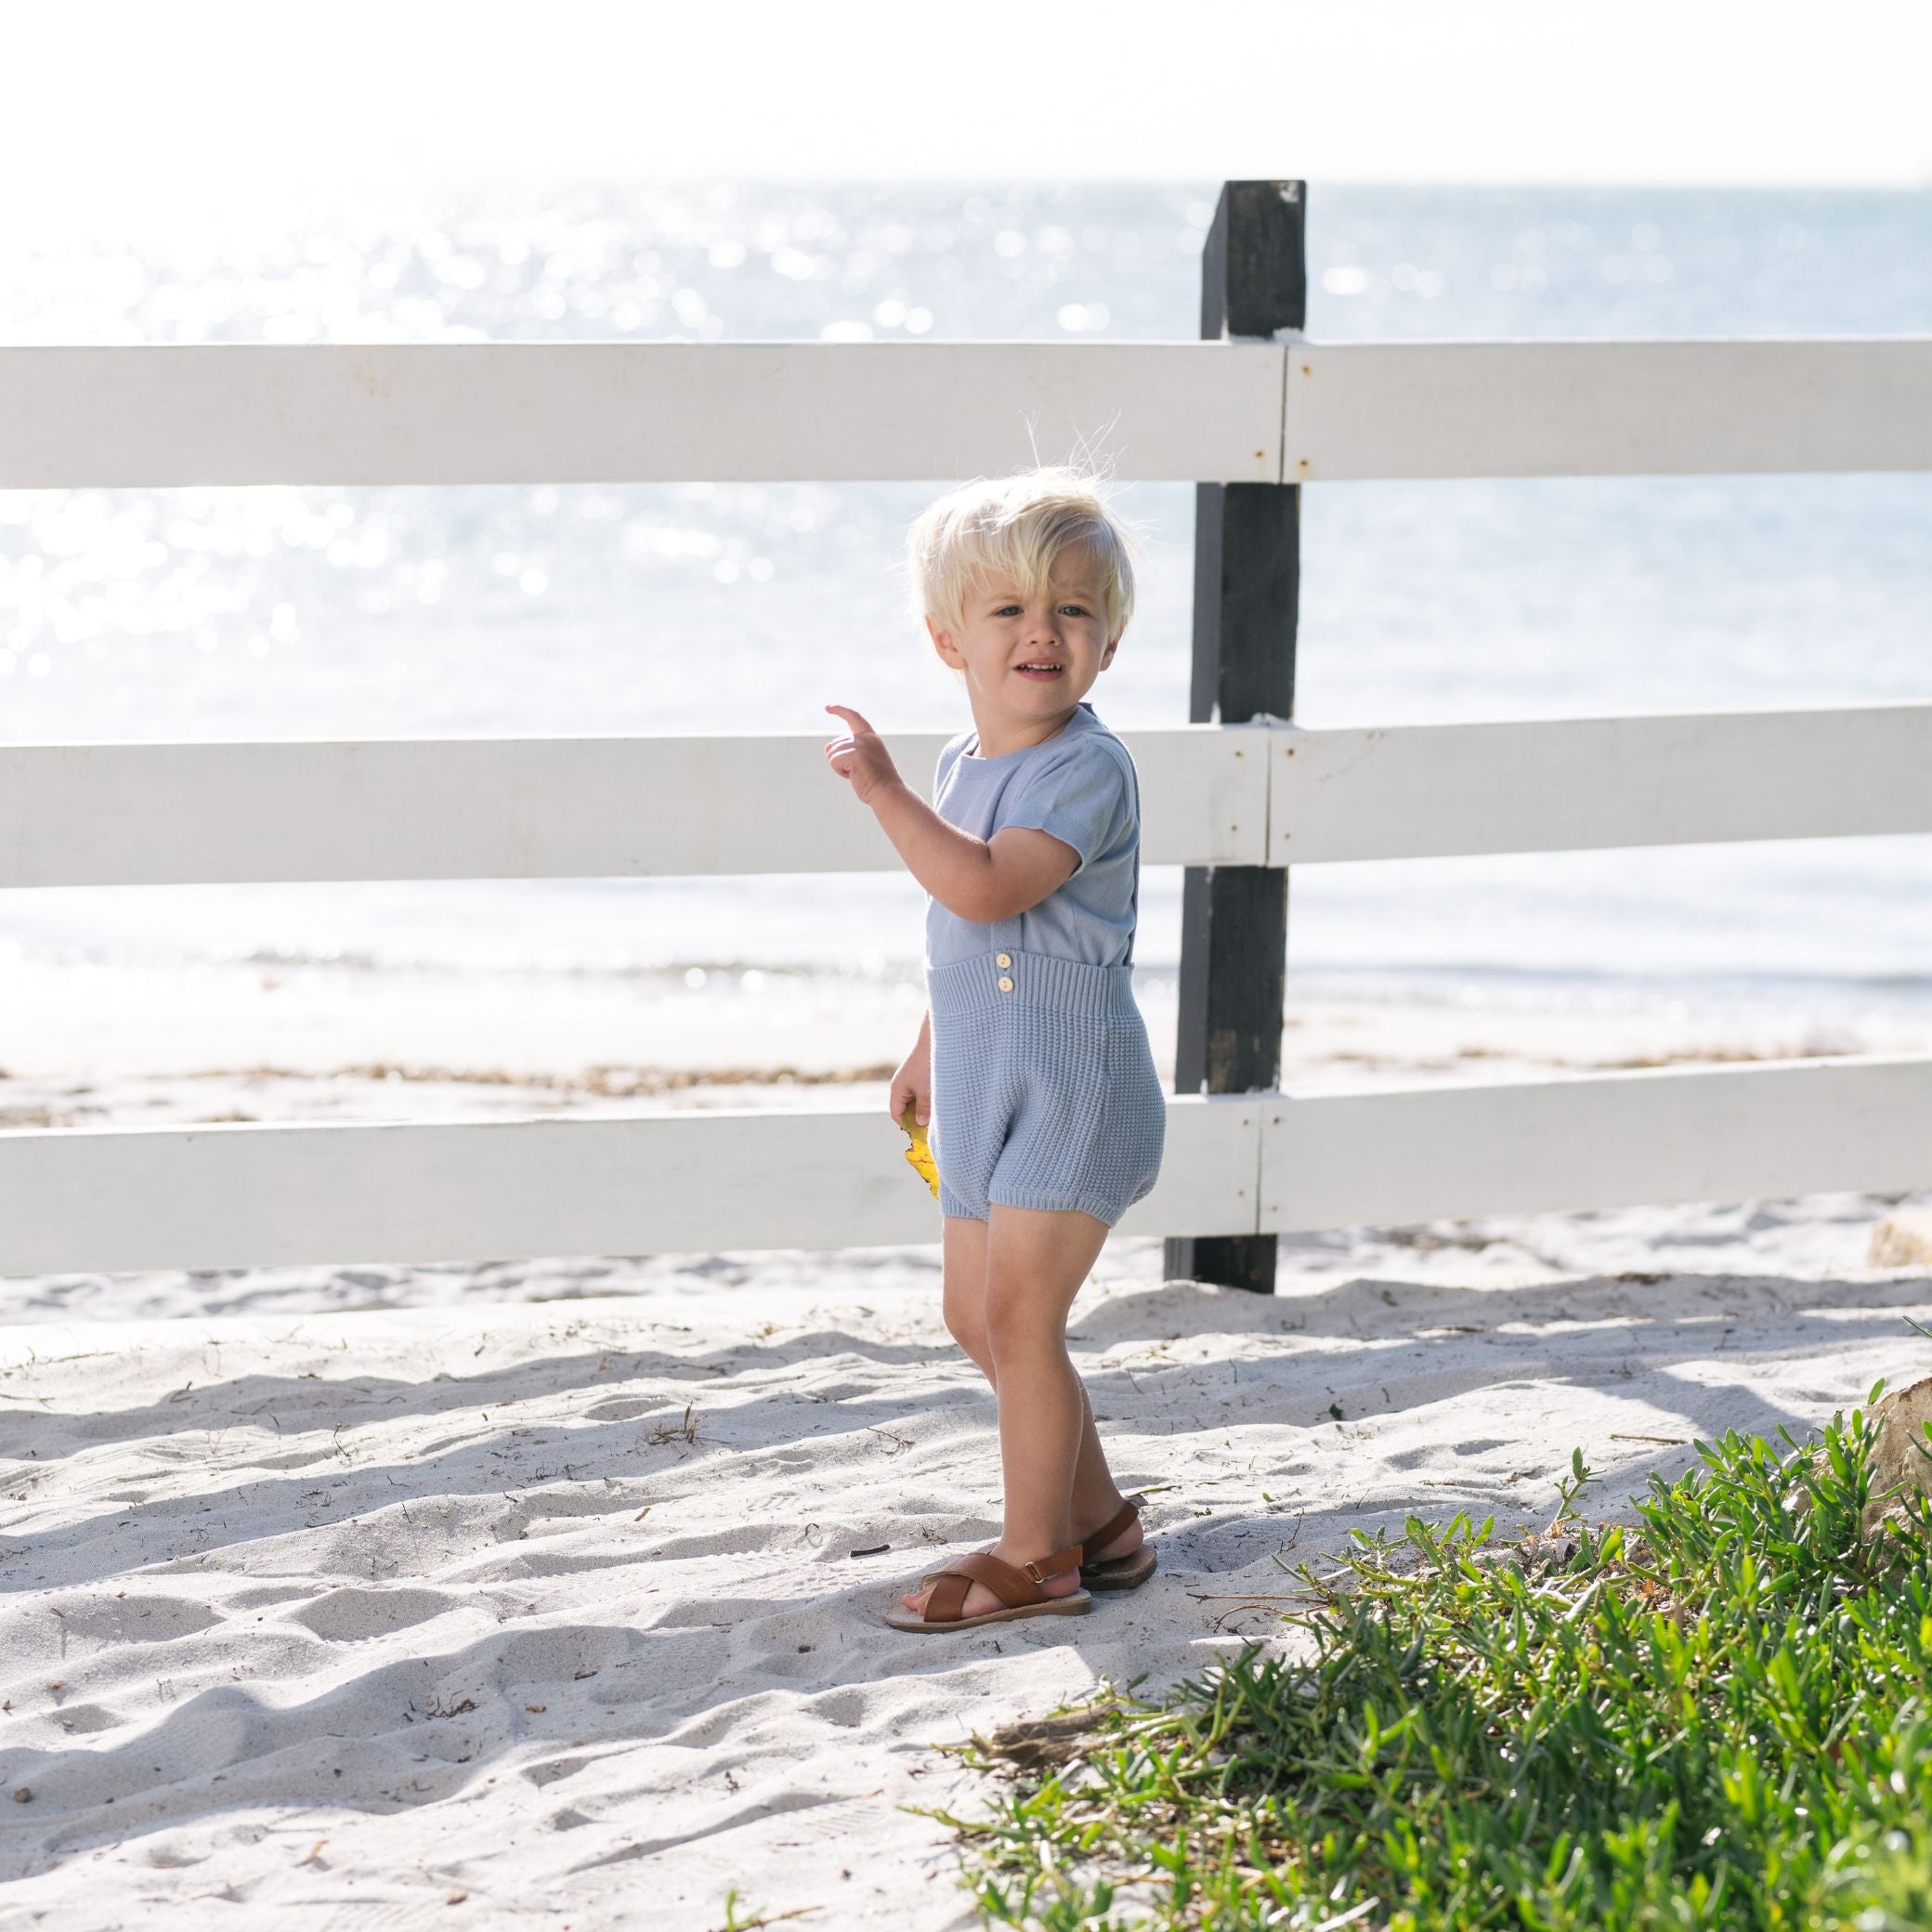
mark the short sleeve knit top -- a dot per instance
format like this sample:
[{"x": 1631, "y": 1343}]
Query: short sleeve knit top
[{"x": 1079, "y": 784}]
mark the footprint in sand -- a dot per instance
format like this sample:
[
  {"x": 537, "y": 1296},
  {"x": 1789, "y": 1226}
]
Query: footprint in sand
[
  {"x": 81, "y": 1719},
  {"x": 623, "y": 1408},
  {"x": 348, "y": 1616},
  {"x": 291, "y": 1459},
  {"x": 568, "y": 1503},
  {"x": 137, "y": 1619}
]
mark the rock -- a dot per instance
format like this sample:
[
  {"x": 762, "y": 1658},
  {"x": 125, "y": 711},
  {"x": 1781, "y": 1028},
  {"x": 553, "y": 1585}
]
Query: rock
[
  {"x": 1901, "y": 1458},
  {"x": 1038, "y": 1744},
  {"x": 1901, "y": 1239}
]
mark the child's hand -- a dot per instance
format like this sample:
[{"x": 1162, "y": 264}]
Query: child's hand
[
  {"x": 913, "y": 1086},
  {"x": 861, "y": 756}
]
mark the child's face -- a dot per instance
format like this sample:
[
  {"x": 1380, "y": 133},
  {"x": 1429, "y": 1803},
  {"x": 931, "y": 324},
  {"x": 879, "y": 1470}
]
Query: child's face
[{"x": 1005, "y": 630}]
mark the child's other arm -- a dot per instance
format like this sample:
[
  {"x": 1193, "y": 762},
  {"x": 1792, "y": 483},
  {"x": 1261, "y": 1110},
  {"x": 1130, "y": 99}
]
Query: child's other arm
[{"x": 911, "y": 1084}]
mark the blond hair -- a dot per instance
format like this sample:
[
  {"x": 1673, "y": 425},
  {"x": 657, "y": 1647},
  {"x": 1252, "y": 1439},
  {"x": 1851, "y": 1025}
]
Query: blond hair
[{"x": 1018, "y": 527}]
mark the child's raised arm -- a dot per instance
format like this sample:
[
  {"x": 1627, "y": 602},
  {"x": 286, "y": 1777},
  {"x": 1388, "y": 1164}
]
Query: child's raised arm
[{"x": 961, "y": 872}]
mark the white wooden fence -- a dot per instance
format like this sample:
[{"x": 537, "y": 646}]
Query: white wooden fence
[
  {"x": 1202, "y": 411},
  {"x": 1269, "y": 793}
]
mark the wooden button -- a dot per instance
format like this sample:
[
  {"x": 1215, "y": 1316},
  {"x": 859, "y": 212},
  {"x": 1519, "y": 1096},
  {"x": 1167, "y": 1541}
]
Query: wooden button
[
  {"x": 1005, "y": 958},
  {"x": 1006, "y": 986}
]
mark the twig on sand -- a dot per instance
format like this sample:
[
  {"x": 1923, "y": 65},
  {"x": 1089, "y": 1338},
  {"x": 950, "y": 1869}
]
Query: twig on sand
[
  {"x": 1241, "y": 1597},
  {"x": 734, "y": 1924},
  {"x": 684, "y": 1431}
]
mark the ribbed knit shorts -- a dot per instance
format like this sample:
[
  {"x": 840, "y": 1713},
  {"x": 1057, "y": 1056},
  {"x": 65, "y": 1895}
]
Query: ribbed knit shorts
[{"x": 1044, "y": 1091}]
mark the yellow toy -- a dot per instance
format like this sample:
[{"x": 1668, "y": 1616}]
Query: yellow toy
[{"x": 919, "y": 1154}]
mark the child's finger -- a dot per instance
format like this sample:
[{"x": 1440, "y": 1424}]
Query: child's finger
[{"x": 857, "y": 718}]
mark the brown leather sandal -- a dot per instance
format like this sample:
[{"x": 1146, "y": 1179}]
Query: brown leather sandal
[
  {"x": 1124, "y": 1572},
  {"x": 1018, "y": 1590}
]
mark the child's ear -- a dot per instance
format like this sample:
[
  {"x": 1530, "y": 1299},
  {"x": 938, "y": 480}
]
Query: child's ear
[{"x": 943, "y": 639}]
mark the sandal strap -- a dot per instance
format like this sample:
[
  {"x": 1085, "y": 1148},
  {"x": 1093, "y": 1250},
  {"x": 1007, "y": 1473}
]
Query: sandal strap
[
  {"x": 1057, "y": 1564},
  {"x": 1116, "y": 1525},
  {"x": 947, "y": 1597},
  {"x": 1014, "y": 1588}
]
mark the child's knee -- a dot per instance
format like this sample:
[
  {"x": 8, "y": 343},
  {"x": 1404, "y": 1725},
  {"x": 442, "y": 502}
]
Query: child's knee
[
  {"x": 1016, "y": 1323},
  {"x": 966, "y": 1324},
  {"x": 964, "y": 1306}
]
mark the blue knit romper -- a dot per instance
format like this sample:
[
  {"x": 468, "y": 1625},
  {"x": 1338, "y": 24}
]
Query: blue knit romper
[{"x": 1044, "y": 1089}]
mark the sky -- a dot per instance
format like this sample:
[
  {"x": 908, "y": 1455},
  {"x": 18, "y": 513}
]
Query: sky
[{"x": 114, "y": 110}]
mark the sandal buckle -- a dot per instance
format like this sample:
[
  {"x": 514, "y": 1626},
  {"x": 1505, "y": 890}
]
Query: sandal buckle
[{"x": 1032, "y": 1570}]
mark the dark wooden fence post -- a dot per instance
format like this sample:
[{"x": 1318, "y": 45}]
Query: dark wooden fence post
[{"x": 1234, "y": 919}]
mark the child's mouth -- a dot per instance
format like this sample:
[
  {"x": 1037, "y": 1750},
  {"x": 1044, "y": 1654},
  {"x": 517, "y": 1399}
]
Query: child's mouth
[{"x": 1039, "y": 674}]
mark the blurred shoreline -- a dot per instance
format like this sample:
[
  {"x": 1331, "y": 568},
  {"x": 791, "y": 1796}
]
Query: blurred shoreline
[{"x": 115, "y": 1045}]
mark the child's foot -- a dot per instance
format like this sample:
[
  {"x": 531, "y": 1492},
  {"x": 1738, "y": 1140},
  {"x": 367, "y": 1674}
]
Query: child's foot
[{"x": 980, "y": 1600}]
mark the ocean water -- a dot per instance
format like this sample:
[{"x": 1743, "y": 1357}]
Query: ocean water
[{"x": 234, "y": 614}]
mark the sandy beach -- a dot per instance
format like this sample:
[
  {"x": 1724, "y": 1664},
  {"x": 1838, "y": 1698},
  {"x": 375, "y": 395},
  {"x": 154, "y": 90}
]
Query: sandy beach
[{"x": 548, "y": 1592}]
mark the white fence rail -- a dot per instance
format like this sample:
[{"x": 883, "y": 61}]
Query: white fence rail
[
  {"x": 1259, "y": 794},
  {"x": 1606, "y": 409},
  {"x": 1292, "y": 411},
  {"x": 637, "y": 412},
  {"x": 238, "y": 1195},
  {"x": 1675, "y": 1133},
  {"x": 525, "y": 808},
  {"x": 1580, "y": 784}
]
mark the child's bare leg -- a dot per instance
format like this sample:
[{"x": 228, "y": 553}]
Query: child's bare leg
[
  {"x": 1096, "y": 1494},
  {"x": 1036, "y": 1261},
  {"x": 965, "y": 1261}
]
